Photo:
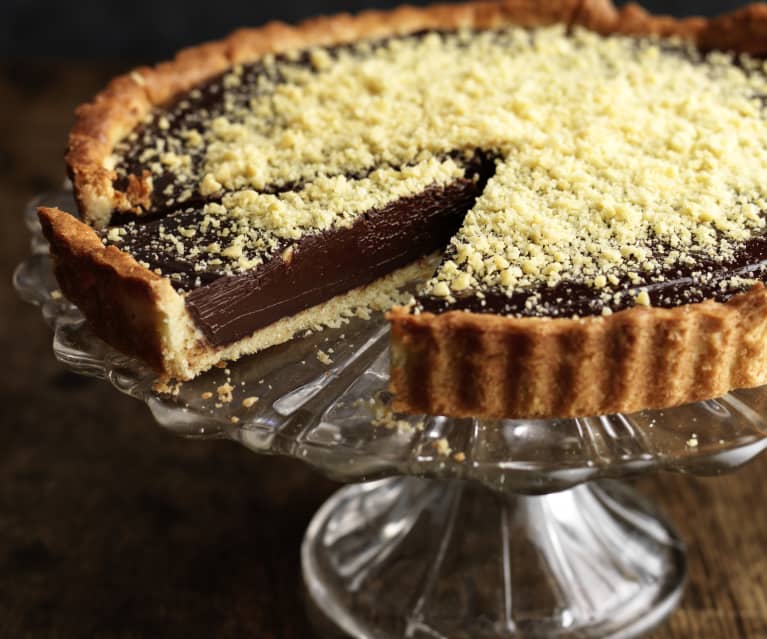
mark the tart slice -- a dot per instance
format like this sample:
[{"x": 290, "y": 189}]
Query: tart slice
[{"x": 596, "y": 182}]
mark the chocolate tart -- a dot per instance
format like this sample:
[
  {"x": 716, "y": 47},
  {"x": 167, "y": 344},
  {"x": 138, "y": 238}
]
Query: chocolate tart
[{"x": 278, "y": 179}]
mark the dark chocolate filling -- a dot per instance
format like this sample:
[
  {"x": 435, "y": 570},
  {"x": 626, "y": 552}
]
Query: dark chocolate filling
[
  {"x": 704, "y": 280},
  {"x": 323, "y": 265}
]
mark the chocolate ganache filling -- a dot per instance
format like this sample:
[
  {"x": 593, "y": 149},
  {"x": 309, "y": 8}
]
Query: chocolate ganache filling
[
  {"x": 704, "y": 279},
  {"x": 296, "y": 275},
  {"x": 286, "y": 274}
]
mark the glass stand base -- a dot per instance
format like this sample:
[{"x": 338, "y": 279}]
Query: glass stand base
[{"x": 417, "y": 558}]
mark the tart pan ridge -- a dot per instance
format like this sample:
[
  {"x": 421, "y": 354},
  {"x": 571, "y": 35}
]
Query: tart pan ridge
[{"x": 490, "y": 366}]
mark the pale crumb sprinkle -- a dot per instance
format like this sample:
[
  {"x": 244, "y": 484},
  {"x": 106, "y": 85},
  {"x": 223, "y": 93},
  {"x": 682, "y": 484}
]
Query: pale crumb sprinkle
[
  {"x": 234, "y": 419},
  {"x": 442, "y": 446},
  {"x": 167, "y": 387},
  {"x": 56, "y": 294},
  {"x": 206, "y": 395},
  {"x": 440, "y": 289},
  {"x": 249, "y": 402},
  {"x": 460, "y": 457},
  {"x": 693, "y": 441},
  {"x": 642, "y": 299},
  {"x": 384, "y": 417},
  {"x": 324, "y": 358},
  {"x": 137, "y": 78},
  {"x": 225, "y": 393},
  {"x": 326, "y": 202}
]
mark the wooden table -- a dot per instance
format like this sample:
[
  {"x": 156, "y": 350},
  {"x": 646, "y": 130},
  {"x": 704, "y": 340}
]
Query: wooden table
[{"x": 112, "y": 527}]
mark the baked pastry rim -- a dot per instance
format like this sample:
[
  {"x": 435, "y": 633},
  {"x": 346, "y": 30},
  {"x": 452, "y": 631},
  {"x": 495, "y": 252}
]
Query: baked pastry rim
[{"x": 440, "y": 375}]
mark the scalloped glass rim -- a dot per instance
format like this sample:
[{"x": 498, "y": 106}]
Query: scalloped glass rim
[{"x": 322, "y": 413}]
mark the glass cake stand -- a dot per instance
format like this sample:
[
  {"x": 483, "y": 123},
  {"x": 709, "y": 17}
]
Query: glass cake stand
[{"x": 471, "y": 528}]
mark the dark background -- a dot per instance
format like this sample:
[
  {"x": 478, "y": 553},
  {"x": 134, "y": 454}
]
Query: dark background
[{"x": 144, "y": 30}]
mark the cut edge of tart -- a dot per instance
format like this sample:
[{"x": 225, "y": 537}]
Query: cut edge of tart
[
  {"x": 456, "y": 363},
  {"x": 141, "y": 314}
]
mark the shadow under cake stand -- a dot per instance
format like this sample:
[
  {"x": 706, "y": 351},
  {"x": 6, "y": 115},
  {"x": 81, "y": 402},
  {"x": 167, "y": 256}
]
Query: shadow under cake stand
[{"x": 463, "y": 527}]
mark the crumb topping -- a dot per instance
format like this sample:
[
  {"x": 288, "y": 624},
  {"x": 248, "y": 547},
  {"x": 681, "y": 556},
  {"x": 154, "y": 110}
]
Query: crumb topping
[
  {"x": 224, "y": 393},
  {"x": 331, "y": 201},
  {"x": 619, "y": 159},
  {"x": 246, "y": 228},
  {"x": 442, "y": 446},
  {"x": 383, "y": 416}
]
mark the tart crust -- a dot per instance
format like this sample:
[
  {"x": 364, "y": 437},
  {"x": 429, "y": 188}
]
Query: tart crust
[
  {"x": 456, "y": 363},
  {"x": 474, "y": 365}
]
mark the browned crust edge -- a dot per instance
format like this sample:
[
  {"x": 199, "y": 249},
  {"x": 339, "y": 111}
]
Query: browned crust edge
[
  {"x": 489, "y": 366},
  {"x": 467, "y": 364},
  {"x": 124, "y": 302},
  {"x": 455, "y": 363}
]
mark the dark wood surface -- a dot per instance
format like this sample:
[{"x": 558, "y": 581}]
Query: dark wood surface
[{"x": 111, "y": 527}]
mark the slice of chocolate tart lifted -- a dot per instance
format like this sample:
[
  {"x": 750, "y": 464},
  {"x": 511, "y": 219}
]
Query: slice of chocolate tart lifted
[{"x": 596, "y": 180}]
